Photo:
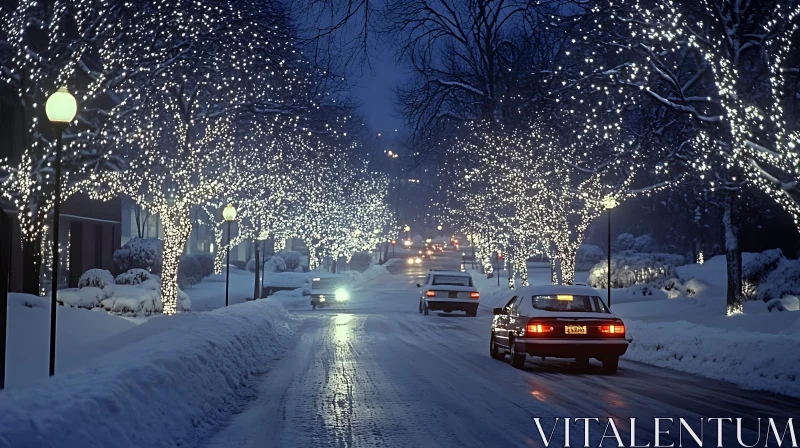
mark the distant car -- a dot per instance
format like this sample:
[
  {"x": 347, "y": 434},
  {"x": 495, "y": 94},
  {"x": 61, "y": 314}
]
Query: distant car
[
  {"x": 559, "y": 321},
  {"x": 328, "y": 290},
  {"x": 414, "y": 260},
  {"x": 448, "y": 291}
]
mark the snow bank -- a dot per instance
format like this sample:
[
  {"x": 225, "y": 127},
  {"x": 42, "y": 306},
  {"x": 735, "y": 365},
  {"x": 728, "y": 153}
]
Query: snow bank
[
  {"x": 751, "y": 360},
  {"x": 171, "y": 388},
  {"x": 358, "y": 278}
]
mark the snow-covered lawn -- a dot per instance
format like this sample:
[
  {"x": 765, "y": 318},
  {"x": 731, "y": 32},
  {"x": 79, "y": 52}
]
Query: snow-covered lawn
[
  {"x": 210, "y": 293},
  {"x": 167, "y": 382},
  {"x": 78, "y": 334},
  {"x": 755, "y": 350}
]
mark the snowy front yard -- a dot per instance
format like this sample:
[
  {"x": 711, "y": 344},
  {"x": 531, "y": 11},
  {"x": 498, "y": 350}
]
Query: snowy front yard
[{"x": 755, "y": 350}]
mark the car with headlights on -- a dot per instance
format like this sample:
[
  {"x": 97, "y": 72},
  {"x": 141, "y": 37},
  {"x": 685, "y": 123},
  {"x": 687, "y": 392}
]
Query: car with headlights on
[
  {"x": 448, "y": 291},
  {"x": 557, "y": 321},
  {"x": 327, "y": 290}
]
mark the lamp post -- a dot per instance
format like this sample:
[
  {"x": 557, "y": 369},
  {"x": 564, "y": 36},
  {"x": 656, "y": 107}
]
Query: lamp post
[
  {"x": 393, "y": 244},
  {"x": 609, "y": 203},
  {"x": 439, "y": 227},
  {"x": 408, "y": 230},
  {"x": 229, "y": 213},
  {"x": 61, "y": 109}
]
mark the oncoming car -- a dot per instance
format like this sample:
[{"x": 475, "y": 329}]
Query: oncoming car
[
  {"x": 448, "y": 291},
  {"x": 328, "y": 290},
  {"x": 559, "y": 321}
]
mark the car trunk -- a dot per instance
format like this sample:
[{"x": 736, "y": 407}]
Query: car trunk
[{"x": 575, "y": 328}]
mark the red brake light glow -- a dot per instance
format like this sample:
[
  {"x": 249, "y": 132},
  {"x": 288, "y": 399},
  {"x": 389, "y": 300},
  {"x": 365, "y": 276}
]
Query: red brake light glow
[
  {"x": 475, "y": 295},
  {"x": 430, "y": 293},
  {"x": 612, "y": 329},
  {"x": 538, "y": 328}
]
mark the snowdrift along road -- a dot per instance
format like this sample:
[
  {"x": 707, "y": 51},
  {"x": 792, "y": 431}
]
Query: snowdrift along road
[{"x": 183, "y": 377}]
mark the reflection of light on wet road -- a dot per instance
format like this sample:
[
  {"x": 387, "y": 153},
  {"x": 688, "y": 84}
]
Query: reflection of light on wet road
[
  {"x": 341, "y": 328},
  {"x": 539, "y": 396}
]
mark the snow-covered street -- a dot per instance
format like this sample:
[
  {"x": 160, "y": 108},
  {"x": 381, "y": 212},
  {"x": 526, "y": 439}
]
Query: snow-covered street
[{"x": 379, "y": 374}]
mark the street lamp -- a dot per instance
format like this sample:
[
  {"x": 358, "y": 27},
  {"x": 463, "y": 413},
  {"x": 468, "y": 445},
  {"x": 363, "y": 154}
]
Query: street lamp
[
  {"x": 609, "y": 203},
  {"x": 61, "y": 109},
  {"x": 439, "y": 227},
  {"x": 407, "y": 229},
  {"x": 229, "y": 213}
]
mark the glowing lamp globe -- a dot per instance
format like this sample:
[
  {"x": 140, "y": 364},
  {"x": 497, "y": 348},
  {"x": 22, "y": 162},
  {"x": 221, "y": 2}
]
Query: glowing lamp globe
[
  {"x": 408, "y": 228},
  {"x": 229, "y": 213},
  {"x": 609, "y": 202},
  {"x": 61, "y": 107},
  {"x": 439, "y": 227}
]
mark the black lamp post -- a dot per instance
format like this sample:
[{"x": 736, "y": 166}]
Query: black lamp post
[
  {"x": 229, "y": 213},
  {"x": 61, "y": 109},
  {"x": 609, "y": 202}
]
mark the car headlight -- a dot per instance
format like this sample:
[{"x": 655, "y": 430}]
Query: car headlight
[
  {"x": 342, "y": 295},
  {"x": 410, "y": 261}
]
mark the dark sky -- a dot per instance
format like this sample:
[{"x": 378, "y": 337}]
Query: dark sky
[{"x": 373, "y": 89}]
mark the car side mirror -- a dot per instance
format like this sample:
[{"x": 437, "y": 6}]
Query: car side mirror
[
  {"x": 498, "y": 311},
  {"x": 419, "y": 286}
]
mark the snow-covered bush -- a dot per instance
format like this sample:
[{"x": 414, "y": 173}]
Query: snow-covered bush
[
  {"x": 134, "y": 277},
  {"x": 275, "y": 264},
  {"x": 588, "y": 256},
  {"x": 757, "y": 269},
  {"x": 624, "y": 241},
  {"x": 239, "y": 264},
  {"x": 206, "y": 261},
  {"x": 139, "y": 299},
  {"x": 284, "y": 262},
  {"x": 88, "y": 297},
  {"x": 140, "y": 253},
  {"x": 360, "y": 261},
  {"x": 784, "y": 280},
  {"x": 633, "y": 268},
  {"x": 645, "y": 244},
  {"x": 99, "y": 278},
  {"x": 293, "y": 260},
  {"x": 190, "y": 272}
]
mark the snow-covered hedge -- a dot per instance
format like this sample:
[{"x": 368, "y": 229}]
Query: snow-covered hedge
[
  {"x": 641, "y": 244},
  {"x": 88, "y": 297},
  {"x": 190, "y": 272},
  {"x": 140, "y": 253},
  {"x": 182, "y": 379},
  {"x": 284, "y": 262},
  {"x": 136, "y": 293},
  {"x": 634, "y": 268},
  {"x": 360, "y": 261},
  {"x": 99, "y": 278}
]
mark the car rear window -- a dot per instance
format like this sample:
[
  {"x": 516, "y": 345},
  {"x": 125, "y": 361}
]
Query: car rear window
[
  {"x": 452, "y": 280},
  {"x": 568, "y": 303}
]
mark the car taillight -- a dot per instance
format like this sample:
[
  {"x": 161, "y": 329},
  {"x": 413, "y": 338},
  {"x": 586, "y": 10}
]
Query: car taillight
[
  {"x": 538, "y": 328},
  {"x": 612, "y": 329},
  {"x": 430, "y": 293},
  {"x": 475, "y": 295}
]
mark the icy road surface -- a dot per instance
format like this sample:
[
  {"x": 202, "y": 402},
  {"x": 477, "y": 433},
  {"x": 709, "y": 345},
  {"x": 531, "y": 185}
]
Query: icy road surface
[{"x": 378, "y": 374}]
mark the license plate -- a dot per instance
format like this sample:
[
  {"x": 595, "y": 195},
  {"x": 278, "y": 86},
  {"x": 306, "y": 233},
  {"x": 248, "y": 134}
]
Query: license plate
[
  {"x": 452, "y": 295},
  {"x": 575, "y": 329}
]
